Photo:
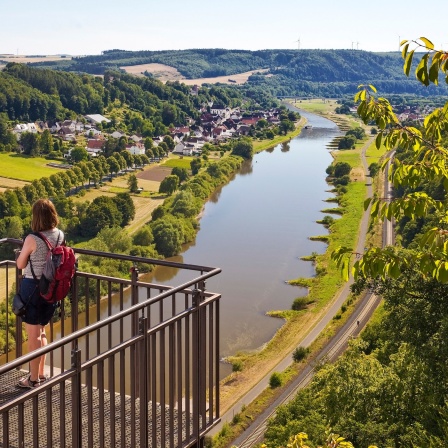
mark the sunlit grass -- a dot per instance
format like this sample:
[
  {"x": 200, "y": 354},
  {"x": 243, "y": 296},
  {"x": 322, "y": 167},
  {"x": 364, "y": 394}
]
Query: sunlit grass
[
  {"x": 178, "y": 162},
  {"x": 15, "y": 166}
]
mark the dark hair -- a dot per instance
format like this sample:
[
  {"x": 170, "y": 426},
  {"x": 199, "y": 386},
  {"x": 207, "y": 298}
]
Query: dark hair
[{"x": 45, "y": 216}]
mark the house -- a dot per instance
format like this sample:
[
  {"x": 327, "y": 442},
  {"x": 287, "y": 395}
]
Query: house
[
  {"x": 69, "y": 124},
  {"x": 116, "y": 134},
  {"x": 67, "y": 134},
  {"x": 136, "y": 138},
  {"x": 243, "y": 129},
  {"x": 92, "y": 132},
  {"x": 25, "y": 127},
  {"x": 221, "y": 111},
  {"x": 54, "y": 127},
  {"x": 249, "y": 121},
  {"x": 97, "y": 118},
  {"x": 136, "y": 149},
  {"x": 179, "y": 148},
  {"x": 94, "y": 147}
]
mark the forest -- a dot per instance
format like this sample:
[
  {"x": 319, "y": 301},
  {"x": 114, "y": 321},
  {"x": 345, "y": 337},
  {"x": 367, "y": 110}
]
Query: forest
[
  {"x": 329, "y": 73},
  {"x": 30, "y": 94}
]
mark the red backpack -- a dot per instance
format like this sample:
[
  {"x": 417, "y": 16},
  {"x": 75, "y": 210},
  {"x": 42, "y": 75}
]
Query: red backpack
[{"x": 58, "y": 272}]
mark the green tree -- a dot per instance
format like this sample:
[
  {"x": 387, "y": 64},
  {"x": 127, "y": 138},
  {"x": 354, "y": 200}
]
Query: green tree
[
  {"x": 128, "y": 157},
  {"x": 181, "y": 173},
  {"x": 347, "y": 142},
  {"x": 168, "y": 235},
  {"x": 148, "y": 143},
  {"x": 133, "y": 183},
  {"x": 286, "y": 126},
  {"x": 244, "y": 148},
  {"x": 169, "y": 185},
  {"x": 195, "y": 165},
  {"x": 101, "y": 213},
  {"x": 126, "y": 207},
  {"x": 143, "y": 236},
  {"x": 341, "y": 169},
  {"x": 30, "y": 143},
  {"x": 46, "y": 144},
  {"x": 114, "y": 166},
  {"x": 79, "y": 154},
  {"x": 168, "y": 140}
]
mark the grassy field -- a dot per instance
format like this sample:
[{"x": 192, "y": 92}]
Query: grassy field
[{"x": 24, "y": 168}]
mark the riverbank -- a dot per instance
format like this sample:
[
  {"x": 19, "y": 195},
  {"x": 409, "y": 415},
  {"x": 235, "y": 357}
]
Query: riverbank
[{"x": 324, "y": 288}]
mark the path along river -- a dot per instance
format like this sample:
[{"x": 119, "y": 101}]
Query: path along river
[{"x": 256, "y": 228}]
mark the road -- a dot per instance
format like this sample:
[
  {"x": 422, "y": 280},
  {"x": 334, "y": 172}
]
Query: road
[{"x": 358, "y": 319}]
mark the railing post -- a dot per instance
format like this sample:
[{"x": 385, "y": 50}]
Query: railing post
[
  {"x": 143, "y": 392},
  {"x": 19, "y": 339},
  {"x": 135, "y": 330},
  {"x": 199, "y": 355},
  {"x": 76, "y": 400}
]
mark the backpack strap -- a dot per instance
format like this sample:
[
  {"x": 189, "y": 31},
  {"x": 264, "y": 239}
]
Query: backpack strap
[{"x": 49, "y": 245}]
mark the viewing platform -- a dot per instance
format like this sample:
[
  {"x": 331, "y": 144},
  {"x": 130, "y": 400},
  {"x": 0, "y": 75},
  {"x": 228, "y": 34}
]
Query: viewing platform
[{"x": 130, "y": 363}]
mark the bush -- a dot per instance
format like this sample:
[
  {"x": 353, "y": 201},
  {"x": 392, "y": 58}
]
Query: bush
[
  {"x": 373, "y": 169},
  {"x": 237, "y": 366},
  {"x": 300, "y": 303},
  {"x": 236, "y": 419},
  {"x": 275, "y": 380},
  {"x": 300, "y": 353},
  {"x": 344, "y": 180}
]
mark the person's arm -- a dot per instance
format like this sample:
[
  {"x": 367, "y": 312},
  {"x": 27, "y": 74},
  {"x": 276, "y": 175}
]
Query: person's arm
[{"x": 29, "y": 246}]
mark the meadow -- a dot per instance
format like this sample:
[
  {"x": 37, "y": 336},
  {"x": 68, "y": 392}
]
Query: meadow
[{"x": 25, "y": 168}]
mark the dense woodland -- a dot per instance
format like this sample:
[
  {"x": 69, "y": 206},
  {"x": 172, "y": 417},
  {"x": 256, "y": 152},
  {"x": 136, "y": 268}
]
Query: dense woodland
[
  {"x": 30, "y": 94},
  {"x": 329, "y": 73}
]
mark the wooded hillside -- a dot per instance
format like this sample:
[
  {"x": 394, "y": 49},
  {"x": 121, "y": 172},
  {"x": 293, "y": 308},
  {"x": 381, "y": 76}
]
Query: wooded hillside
[{"x": 289, "y": 72}]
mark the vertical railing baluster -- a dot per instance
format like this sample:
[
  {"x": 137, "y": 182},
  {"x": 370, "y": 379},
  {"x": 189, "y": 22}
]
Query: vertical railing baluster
[
  {"x": 143, "y": 350},
  {"x": 76, "y": 399}
]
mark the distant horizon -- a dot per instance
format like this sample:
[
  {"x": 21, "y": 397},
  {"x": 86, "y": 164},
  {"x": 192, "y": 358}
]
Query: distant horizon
[
  {"x": 14, "y": 55},
  {"x": 87, "y": 28}
]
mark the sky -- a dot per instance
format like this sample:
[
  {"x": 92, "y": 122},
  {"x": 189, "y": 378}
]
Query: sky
[{"x": 82, "y": 27}]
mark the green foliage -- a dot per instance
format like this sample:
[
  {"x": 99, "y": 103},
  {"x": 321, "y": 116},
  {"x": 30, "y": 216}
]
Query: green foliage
[
  {"x": 347, "y": 142},
  {"x": 237, "y": 365},
  {"x": 299, "y": 303},
  {"x": 181, "y": 173},
  {"x": 143, "y": 236},
  {"x": 275, "y": 380},
  {"x": 244, "y": 148},
  {"x": 169, "y": 185},
  {"x": 374, "y": 169},
  {"x": 101, "y": 213},
  {"x": 133, "y": 183},
  {"x": 341, "y": 169},
  {"x": 300, "y": 353}
]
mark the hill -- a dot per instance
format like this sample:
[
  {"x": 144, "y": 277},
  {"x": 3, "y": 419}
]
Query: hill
[{"x": 330, "y": 73}]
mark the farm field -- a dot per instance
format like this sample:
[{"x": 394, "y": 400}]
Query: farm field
[
  {"x": 6, "y": 183},
  {"x": 166, "y": 73},
  {"x": 23, "y": 168}
]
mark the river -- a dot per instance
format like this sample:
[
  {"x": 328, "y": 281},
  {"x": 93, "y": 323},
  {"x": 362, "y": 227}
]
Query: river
[{"x": 256, "y": 228}]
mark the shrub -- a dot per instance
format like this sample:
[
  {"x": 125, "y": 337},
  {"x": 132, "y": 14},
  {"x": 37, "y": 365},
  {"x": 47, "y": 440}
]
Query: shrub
[
  {"x": 237, "y": 365},
  {"x": 344, "y": 180},
  {"x": 300, "y": 353},
  {"x": 275, "y": 380},
  {"x": 236, "y": 419},
  {"x": 300, "y": 303}
]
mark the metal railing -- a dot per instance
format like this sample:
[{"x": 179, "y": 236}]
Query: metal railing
[{"x": 131, "y": 363}]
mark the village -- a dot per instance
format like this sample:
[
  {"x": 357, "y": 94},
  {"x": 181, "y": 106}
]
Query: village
[{"x": 217, "y": 124}]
